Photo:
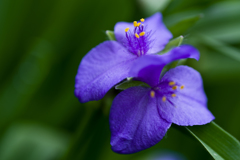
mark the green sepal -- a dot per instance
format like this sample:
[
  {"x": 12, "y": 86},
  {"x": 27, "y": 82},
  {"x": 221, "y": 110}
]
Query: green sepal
[
  {"x": 130, "y": 83},
  {"x": 171, "y": 44},
  {"x": 219, "y": 143},
  {"x": 182, "y": 26},
  {"x": 110, "y": 35}
]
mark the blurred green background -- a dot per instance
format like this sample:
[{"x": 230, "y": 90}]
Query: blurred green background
[{"x": 42, "y": 43}]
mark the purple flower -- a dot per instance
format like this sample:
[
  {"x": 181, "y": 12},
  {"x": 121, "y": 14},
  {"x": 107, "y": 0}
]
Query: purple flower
[
  {"x": 109, "y": 62},
  {"x": 141, "y": 116}
]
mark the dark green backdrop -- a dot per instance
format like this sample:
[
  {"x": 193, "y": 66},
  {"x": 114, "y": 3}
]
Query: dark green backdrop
[{"x": 42, "y": 43}]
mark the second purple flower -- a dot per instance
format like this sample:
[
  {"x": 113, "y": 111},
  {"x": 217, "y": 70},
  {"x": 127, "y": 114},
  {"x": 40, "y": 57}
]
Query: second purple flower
[{"x": 141, "y": 116}]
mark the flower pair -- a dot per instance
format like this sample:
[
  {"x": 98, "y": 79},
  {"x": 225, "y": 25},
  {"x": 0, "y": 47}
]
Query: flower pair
[{"x": 141, "y": 116}]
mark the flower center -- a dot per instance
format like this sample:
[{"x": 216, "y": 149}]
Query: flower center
[
  {"x": 164, "y": 92},
  {"x": 174, "y": 87},
  {"x": 138, "y": 40}
]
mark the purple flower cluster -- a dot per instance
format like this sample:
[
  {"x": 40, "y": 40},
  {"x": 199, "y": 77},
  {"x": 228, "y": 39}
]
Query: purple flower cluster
[{"x": 141, "y": 116}]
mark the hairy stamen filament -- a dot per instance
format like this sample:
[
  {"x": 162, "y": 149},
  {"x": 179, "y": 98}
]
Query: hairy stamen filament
[{"x": 137, "y": 41}]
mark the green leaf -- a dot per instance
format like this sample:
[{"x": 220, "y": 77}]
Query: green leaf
[
  {"x": 220, "y": 144},
  {"x": 130, "y": 83},
  {"x": 221, "y": 47},
  {"x": 182, "y": 26},
  {"x": 110, "y": 35},
  {"x": 173, "y": 43}
]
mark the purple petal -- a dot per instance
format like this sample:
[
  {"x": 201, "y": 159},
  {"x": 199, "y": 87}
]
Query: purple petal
[
  {"x": 189, "y": 106},
  {"x": 148, "y": 68},
  {"x": 181, "y": 52},
  {"x": 135, "y": 123},
  {"x": 160, "y": 35},
  {"x": 103, "y": 67}
]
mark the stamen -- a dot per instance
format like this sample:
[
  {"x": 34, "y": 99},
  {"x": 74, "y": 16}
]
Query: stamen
[
  {"x": 138, "y": 53},
  {"x": 135, "y": 24},
  {"x": 164, "y": 98},
  {"x": 136, "y": 35},
  {"x": 174, "y": 87},
  {"x": 126, "y": 30},
  {"x": 182, "y": 86},
  {"x": 142, "y": 34},
  {"x": 174, "y": 95},
  {"x": 171, "y": 83},
  {"x": 152, "y": 94},
  {"x": 138, "y": 39}
]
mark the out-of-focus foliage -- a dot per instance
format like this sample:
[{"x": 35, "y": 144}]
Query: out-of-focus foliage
[{"x": 42, "y": 43}]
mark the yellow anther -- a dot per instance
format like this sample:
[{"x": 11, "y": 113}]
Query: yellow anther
[
  {"x": 126, "y": 30},
  {"x": 182, "y": 86},
  {"x": 171, "y": 83},
  {"x": 164, "y": 98},
  {"x": 152, "y": 94},
  {"x": 142, "y": 34},
  {"x": 138, "y": 24},
  {"x": 139, "y": 53},
  {"x": 174, "y": 87},
  {"x": 174, "y": 95},
  {"x": 135, "y": 23},
  {"x": 142, "y": 20},
  {"x": 136, "y": 35}
]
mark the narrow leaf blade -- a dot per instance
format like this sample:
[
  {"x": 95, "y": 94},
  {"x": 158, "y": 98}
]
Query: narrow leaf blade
[
  {"x": 219, "y": 143},
  {"x": 182, "y": 26},
  {"x": 173, "y": 43},
  {"x": 110, "y": 35},
  {"x": 130, "y": 83},
  {"x": 221, "y": 47}
]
